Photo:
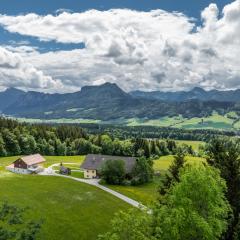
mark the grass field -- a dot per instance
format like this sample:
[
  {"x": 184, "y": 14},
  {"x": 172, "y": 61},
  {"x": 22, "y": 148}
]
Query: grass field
[
  {"x": 163, "y": 163},
  {"x": 215, "y": 121},
  {"x": 76, "y": 160},
  {"x": 162, "y": 122},
  {"x": 70, "y": 210},
  {"x": 145, "y": 194},
  {"x": 77, "y": 174},
  {"x": 195, "y": 144}
]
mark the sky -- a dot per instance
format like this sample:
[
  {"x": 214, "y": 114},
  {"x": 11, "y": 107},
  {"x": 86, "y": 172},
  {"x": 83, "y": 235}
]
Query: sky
[{"x": 167, "y": 45}]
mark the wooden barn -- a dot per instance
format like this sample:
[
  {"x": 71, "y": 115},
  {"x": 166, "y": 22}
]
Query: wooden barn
[{"x": 27, "y": 164}]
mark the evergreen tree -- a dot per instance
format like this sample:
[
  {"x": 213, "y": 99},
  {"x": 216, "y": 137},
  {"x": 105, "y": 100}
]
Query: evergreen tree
[
  {"x": 3, "y": 151},
  {"x": 172, "y": 175},
  {"x": 224, "y": 154}
]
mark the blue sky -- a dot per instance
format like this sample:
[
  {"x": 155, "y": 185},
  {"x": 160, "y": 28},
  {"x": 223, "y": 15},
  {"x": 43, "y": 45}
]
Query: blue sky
[
  {"x": 192, "y": 8},
  {"x": 16, "y": 7},
  {"x": 167, "y": 45}
]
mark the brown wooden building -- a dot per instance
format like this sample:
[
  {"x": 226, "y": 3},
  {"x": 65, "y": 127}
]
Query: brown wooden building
[{"x": 27, "y": 164}]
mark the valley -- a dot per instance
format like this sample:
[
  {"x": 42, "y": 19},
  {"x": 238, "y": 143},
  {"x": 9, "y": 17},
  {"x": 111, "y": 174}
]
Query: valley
[{"x": 214, "y": 121}]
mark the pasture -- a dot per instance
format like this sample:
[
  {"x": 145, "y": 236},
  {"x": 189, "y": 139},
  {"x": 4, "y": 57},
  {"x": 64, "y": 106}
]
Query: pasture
[
  {"x": 69, "y": 209},
  {"x": 163, "y": 163},
  {"x": 215, "y": 121}
]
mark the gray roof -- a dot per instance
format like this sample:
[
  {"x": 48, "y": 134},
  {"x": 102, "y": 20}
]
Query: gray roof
[{"x": 95, "y": 161}]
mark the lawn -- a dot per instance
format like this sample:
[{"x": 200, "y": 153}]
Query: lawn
[
  {"x": 75, "y": 161},
  {"x": 77, "y": 174},
  {"x": 64, "y": 159},
  {"x": 70, "y": 210},
  {"x": 145, "y": 194},
  {"x": 5, "y": 161},
  {"x": 195, "y": 144},
  {"x": 163, "y": 163}
]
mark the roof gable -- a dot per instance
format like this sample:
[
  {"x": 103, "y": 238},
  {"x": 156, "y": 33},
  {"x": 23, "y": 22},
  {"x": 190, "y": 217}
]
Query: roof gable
[{"x": 32, "y": 159}]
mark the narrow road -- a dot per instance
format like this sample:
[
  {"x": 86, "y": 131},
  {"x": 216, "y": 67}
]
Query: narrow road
[{"x": 94, "y": 182}]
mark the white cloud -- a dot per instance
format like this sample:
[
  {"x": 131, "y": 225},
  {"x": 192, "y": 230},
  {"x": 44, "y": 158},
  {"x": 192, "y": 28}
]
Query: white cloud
[
  {"x": 137, "y": 50},
  {"x": 15, "y": 72}
]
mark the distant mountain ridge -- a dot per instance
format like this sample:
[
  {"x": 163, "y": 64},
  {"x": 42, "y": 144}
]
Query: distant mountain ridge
[
  {"x": 108, "y": 101},
  {"x": 9, "y": 96},
  {"x": 195, "y": 93}
]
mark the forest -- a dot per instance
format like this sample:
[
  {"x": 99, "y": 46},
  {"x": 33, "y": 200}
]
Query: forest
[{"x": 22, "y": 139}]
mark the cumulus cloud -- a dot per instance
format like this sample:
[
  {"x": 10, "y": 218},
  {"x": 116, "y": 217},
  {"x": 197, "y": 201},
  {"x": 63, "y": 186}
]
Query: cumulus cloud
[
  {"x": 15, "y": 72},
  {"x": 155, "y": 50}
]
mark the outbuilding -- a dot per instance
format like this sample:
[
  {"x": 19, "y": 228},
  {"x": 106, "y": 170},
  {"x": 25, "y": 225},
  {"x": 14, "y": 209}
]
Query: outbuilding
[{"x": 27, "y": 164}]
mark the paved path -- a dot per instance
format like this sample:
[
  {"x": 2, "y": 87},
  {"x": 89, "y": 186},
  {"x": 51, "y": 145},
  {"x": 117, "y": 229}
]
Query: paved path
[{"x": 94, "y": 182}]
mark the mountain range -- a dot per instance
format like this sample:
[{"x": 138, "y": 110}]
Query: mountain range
[
  {"x": 195, "y": 93},
  {"x": 108, "y": 102}
]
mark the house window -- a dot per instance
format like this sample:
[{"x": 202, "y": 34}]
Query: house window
[
  {"x": 87, "y": 170},
  {"x": 87, "y": 176},
  {"x": 92, "y": 171}
]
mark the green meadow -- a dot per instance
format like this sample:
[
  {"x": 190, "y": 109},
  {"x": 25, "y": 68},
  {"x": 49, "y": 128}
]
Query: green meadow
[
  {"x": 69, "y": 209},
  {"x": 215, "y": 121},
  {"x": 72, "y": 209},
  {"x": 163, "y": 163}
]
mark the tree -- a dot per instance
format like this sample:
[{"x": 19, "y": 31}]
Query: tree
[
  {"x": 60, "y": 148},
  {"x": 172, "y": 146},
  {"x": 173, "y": 171},
  {"x": 27, "y": 144},
  {"x": 224, "y": 154},
  {"x": 11, "y": 143},
  {"x": 194, "y": 208},
  {"x": 107, "y": 145},
  {"x": 3, "y": 151},
  {"x": 12, "y": 218},
  {"x": 163, "y": 148},
  {"x": 131, "y": 225},
  {"x": 143, "y": 171},
  {"x": 147, "y": 150},
  {"x": 113, "y": 171}
]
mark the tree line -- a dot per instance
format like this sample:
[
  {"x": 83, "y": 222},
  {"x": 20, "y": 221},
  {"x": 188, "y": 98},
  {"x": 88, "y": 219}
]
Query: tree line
[
  {"x": 23, "y": 139},
  {"x": 123, "y": 132}
]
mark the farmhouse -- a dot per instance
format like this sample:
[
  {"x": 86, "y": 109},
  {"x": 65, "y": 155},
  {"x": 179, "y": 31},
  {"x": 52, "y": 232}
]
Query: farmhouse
[
  {"x": 93, "y": 163},
  {"x": 27, "y": 165}
]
